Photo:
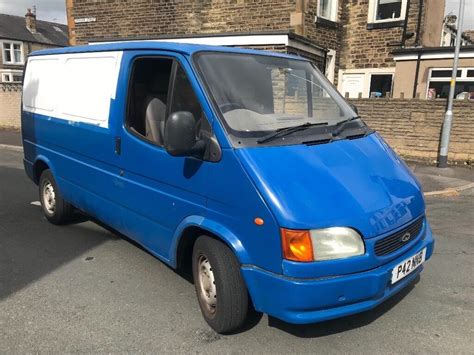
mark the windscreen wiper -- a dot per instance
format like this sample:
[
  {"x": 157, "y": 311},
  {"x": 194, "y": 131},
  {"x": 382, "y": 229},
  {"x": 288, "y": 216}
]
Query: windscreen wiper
[
  {"x": 288, "y": 130},
  {"x": 342, "y": 124}
]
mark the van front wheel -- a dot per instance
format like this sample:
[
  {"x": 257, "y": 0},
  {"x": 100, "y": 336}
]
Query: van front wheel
[
  {"x": 220, "y": 288},
  {"x": 55, "y": 208}
]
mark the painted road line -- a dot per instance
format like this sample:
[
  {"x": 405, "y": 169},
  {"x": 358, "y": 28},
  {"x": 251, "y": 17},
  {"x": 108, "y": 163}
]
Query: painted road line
[
  {"x": 15, "y": 148},
  {"x": 451, "y": 191}
]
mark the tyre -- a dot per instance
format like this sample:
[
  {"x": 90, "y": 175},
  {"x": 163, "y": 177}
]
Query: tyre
[
  {"x": 55, "y": 208},
  {"x": 220, "y": 288}
]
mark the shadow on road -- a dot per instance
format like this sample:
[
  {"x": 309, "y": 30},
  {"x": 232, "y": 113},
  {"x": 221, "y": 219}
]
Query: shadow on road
[
  {"x": 342, "y": 324},
  {"x": 30, "y": 247}
]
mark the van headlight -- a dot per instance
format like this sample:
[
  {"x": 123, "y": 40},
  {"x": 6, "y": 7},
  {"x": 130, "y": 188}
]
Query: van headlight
[
  {"x": 336, "y": 243},
  {"x": 321, "y": 244}
]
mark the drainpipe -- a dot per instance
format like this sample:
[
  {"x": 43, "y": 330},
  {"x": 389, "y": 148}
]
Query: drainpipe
[
  {"x": 418, "y": 26},
  {"x": 405, "y": 25},
  {"x": 417, "y": 73}
]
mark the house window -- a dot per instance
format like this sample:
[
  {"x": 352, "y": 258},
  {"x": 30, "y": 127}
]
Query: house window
[
  {"x": 440, "y": 79},
  {"x": 328, "y": 9},
  {"x": 12, "y": 53},
  {"x": 380, "y": 85},
  {"x": 11, "y": 76},
  {"x": 387, "y": 10},
  {"x": 6, "y": 78}
]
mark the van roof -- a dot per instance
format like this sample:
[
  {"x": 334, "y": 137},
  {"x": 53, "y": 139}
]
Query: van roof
[{"x": 184, "y": 48}]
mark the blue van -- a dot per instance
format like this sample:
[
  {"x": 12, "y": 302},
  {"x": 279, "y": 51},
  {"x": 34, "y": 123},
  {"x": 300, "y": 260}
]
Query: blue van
[{"x": 245, "y": 165}]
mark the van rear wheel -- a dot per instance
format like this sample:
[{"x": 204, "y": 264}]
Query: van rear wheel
[
  {"x": 55, "y": 208},
  {"x": 220, "y": 288}
]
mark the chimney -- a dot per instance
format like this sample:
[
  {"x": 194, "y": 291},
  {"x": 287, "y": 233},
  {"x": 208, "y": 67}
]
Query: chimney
[{"x": 30, "y": 19}]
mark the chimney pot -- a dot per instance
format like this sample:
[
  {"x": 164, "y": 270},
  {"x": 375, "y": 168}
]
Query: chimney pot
[{"x": 30, "y": 19}]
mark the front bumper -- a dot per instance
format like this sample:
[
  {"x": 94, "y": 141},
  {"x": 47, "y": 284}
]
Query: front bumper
[{"x": 300, "y": 301}]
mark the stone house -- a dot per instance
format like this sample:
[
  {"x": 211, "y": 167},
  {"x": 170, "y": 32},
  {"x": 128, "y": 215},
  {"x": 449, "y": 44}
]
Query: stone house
[
  {"x": 18, "y": 37},
  {"x": 21, "y": 35},
  {"x": 352, "y": 41}
]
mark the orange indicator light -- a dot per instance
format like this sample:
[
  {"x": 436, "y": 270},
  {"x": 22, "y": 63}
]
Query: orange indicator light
[{"x": 296, "y": 245}]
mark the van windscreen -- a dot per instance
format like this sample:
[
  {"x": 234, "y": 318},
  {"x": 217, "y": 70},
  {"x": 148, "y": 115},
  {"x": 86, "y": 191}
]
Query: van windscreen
[{"x": 260, "y": 94}]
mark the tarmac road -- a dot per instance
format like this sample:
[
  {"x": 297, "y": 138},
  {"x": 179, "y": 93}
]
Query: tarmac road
[{"x": 81, "y": 288}]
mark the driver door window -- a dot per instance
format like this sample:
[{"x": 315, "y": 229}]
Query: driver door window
[{"x": 154, "y": 96}]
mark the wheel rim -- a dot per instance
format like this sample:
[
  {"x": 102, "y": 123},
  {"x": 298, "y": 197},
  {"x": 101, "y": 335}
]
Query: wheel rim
[
  {"x": 49, "y": 198},
  {"x": 207, "y": 284}
]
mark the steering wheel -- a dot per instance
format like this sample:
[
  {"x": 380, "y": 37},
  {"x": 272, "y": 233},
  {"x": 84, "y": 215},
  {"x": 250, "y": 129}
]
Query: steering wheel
[{"x": 229, "y": 106}]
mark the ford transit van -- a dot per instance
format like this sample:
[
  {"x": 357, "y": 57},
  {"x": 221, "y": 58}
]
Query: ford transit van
[{"x": 246, "y": 165}]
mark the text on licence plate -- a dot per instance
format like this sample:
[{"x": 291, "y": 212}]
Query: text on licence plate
[{"x": 408, "y": 266}]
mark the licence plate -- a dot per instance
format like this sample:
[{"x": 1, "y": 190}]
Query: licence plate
[{"x": 407, "y": 266}]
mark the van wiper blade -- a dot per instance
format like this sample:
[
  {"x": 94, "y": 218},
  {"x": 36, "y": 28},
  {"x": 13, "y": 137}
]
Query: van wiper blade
[
  {"x": 341, "y": 125},
  {"x": 288, "y": 130}
]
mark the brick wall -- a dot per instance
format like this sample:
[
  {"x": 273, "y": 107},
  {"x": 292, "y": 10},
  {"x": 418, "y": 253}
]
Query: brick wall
[
  {"x": 370, "y": 48},
  {"x": 10, "y": 105},
  {"x": 142, "y": 18},
  {"x": 413, "y": 127}
]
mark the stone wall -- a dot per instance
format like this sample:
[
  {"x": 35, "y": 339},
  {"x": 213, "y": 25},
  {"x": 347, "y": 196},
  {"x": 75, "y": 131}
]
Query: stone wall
[
  {"x": 324, "y": 33},
  {"x": 146, "y": 18},
  {"x": 365, "y": 47},
  {"x": 10, "y": 105},
  {"x": 413, "y": 127}
]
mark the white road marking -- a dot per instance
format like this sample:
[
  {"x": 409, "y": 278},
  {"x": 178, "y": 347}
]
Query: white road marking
[
  {"x": 15, "y": 148},
  {"x": 35, "y": 203}
]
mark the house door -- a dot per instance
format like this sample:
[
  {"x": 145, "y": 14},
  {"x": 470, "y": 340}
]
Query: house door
[{"x": 353, "y": 84}]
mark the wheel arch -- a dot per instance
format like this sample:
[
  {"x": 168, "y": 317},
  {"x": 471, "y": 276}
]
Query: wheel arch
[
  {"x": 41, "y": 164},
  {"x": 194, "y": 226}
]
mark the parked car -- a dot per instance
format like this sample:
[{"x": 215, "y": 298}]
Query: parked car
[{"x": 246, "y": 164}]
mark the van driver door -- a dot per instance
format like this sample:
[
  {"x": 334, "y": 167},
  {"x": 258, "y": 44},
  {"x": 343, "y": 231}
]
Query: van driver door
[{"x": 159, "y": 190}]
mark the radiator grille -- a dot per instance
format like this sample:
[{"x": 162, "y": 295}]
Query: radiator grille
[{"x": 397, "y": 240}]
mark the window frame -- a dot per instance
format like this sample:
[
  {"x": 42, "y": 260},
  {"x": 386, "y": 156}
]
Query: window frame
[
  {"x": 12, "y": 52},
  {"x": 330, "y": 65},
  {"x": 126, "y": 122},
  {"x": 176, "y": 64},
  {"x": 7, "y": 75},
  {"x": 445, "y": 79},
  {"x": 10, "y": 73},
  {"x": 372, "y": 13},
  {"x": 334, "y": 11},
  {"x": 391, "y": 84},
  {"x": 366, "y": 74}
]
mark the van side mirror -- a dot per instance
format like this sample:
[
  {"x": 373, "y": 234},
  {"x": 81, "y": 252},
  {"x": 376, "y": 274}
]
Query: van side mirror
[{"x": 180, "y": 135}]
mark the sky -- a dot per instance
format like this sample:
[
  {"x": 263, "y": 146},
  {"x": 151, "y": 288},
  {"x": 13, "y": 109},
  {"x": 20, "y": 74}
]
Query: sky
[
  {"x": 55, "y": 10},
  {"x": 47, "y": 10}
]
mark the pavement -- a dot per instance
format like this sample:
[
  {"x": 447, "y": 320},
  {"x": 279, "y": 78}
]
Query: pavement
[
  {"x": 82, "y": 288},
  {"x": 10, "y": 137}
]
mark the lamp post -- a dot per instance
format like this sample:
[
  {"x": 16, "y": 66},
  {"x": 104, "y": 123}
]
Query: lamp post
[{"x": 448, "y": 116}]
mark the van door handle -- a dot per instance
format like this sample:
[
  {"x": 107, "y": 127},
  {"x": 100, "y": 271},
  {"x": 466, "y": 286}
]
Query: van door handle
[{"x": 118, "y": 145}]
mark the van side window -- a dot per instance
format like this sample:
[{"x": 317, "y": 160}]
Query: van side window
[
  {"x": 148, "y": 96},
  {"x": 184, "y": 98}
]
